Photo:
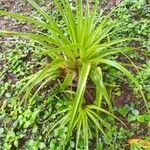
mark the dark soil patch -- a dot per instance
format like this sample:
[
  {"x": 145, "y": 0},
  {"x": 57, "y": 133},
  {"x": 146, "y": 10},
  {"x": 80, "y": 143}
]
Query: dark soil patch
[{"x": 126, "y": 97}]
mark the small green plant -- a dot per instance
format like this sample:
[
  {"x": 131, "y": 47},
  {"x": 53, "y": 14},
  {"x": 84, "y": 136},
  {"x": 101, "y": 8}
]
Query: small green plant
[{"x": 77, "y": 53}]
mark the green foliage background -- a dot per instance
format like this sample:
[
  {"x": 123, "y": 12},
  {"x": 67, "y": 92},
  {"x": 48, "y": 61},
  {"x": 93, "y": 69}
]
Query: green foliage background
[{"x": 27, "y": 128}]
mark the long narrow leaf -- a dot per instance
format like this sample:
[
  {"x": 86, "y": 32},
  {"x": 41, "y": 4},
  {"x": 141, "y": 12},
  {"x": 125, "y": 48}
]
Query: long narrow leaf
[
  {"x": 78, "y": 97},
  {"x": 26, "y": 18},
  {"x": 42, "y": 39},
  {"x": 127, "y": 73}
]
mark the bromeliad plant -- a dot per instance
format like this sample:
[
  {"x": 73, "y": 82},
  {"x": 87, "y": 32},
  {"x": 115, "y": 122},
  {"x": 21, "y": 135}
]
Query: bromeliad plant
[{"x": 77, "y": 52}]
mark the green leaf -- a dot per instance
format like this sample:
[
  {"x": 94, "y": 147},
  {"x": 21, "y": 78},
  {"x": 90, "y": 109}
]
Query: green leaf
[
  {"x": 97, "y": 124},
  {"x": 78, "y": 97},
  {"x": 31, "y": 142},
  {"x": 27, "y": 124},
  {"x": 67, "y": 81},
  {"x": 140, "y": 118},
  {"x": 40, "y": 38},
  {"x": 123, "y": 111},
  {"x": 8, "y": 95},
  {"x": 25, "y": 18},
  {"x": 94, "y": 107},
  {"x": 16, "y": 143},
  {"x": 131, "y": 118},
  {"x": 96, "y": 76},
  {"x": 135, "y": 112},
  {"x": 1, "y": 130},
  {"x": 42, "y": 145},
  {"x": 78, "y": 132},
  {"x": 126, "y": 72},
  {"x": 60, "y": 49}
]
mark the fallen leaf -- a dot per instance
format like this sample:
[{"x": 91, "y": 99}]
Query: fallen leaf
[{"x": 145, "y": 144}]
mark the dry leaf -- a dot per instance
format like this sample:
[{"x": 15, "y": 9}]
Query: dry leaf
[{"x": 145, "y": 144}]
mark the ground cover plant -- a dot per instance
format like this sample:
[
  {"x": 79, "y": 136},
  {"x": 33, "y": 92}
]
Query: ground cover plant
[{"x": 76, "y": 57}]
